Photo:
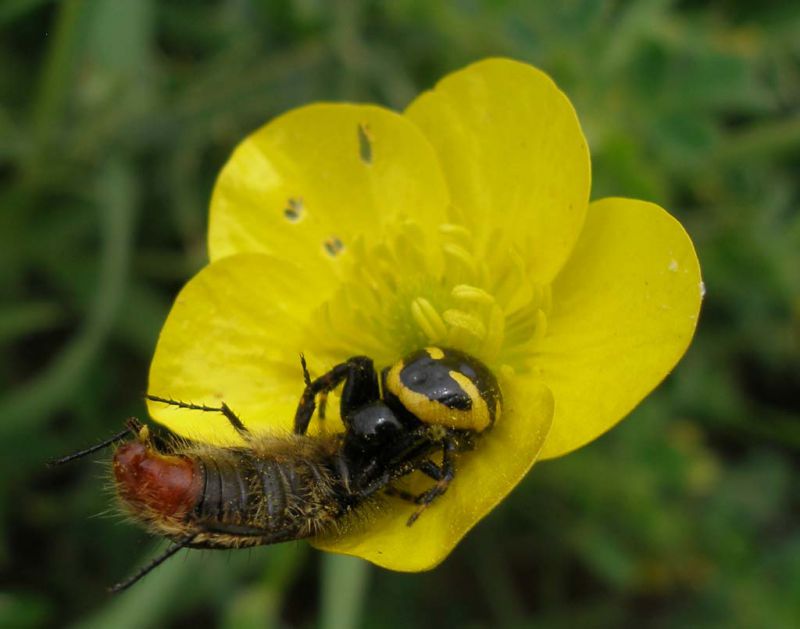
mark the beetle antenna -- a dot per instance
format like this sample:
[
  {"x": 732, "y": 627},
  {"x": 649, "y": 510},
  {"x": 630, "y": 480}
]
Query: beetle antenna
[
  {"x": 131, "y": 426},
  {"x": 154, "y": 563}
]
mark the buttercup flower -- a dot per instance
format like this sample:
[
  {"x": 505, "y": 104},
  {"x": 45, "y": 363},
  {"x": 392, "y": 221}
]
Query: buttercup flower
[{"x": 339, "y": 230}]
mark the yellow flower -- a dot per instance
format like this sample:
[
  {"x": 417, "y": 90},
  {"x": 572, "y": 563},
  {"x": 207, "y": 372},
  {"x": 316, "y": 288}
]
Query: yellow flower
[{"x": 340, "y": 229}]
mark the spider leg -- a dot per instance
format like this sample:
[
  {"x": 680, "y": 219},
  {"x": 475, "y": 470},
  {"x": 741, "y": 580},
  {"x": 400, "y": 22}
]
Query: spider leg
[{"x": 360, "y": 388}]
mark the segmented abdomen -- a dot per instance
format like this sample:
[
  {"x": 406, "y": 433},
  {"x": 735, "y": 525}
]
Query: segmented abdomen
[{"x": 259, "y": 500}]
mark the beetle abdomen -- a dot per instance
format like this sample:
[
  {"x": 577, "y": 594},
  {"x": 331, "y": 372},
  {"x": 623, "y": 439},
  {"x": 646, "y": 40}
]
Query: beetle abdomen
[
  {"x": 273, "y": 490},
  {"x": 155, "y": 485},
  {"x": 260, "y": 497}
]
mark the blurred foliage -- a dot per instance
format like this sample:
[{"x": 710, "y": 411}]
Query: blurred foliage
[{"x": 115, "y": 117}]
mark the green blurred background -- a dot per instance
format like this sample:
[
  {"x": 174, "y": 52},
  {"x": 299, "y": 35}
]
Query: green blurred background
[{"x": 117, "y": 114}]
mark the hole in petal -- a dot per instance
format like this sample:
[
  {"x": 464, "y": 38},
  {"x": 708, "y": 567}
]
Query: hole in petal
[
  {"x": 293, "y": 211},
  {"x": 365, "y": 143},
  {"x": 333, "y": 246}
]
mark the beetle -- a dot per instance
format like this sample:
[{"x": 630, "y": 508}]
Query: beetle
[{"x": 275, "y": 488}]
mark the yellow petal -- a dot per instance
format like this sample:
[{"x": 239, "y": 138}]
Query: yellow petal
[
  {"x": 624, "y": 310},
  {"x": 483, "y": 478},
  {"x": 234, "y": 335},
  {"x": 514, "y": 157},
  {"x": 305, "y": 185}
]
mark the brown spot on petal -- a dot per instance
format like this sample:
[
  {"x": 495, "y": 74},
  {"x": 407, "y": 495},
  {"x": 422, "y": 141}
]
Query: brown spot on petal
[
  {"x": 333, "y": 246},
  {"x": 365, "y": 143},
  {"x": 294, "y": 209}
]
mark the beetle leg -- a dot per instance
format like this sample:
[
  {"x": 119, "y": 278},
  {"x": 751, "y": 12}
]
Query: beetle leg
[
  {"x": 223, "y": 408},
  {"x": 157, "y": 561}
]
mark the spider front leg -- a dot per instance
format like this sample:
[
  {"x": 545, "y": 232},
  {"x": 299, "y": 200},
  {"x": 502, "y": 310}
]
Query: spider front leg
[
  {"x": 427, "y": 467},
  {"x": 443, "y": 475},
  {"x": 360, "y": 388}
]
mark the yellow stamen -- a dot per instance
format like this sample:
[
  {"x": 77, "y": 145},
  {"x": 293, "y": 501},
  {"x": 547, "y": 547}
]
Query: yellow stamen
[
  {"x": 462, "y": 256},
  {"x": 411, "y": 290},
  {"x": 465, "y": 321},
  {"x": 541, "y": 324},
  {"x": 456, "y": 232},
  {"x": 495, "y": 334},
  {"x": 465, "y": 292},
  {"x": 427, "y": 318}
]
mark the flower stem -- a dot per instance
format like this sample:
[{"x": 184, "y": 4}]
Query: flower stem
[
  {"x": 57, "y": 77},
  {"x": 344, "y": 584},
  {"x": 764, "y": 140}
]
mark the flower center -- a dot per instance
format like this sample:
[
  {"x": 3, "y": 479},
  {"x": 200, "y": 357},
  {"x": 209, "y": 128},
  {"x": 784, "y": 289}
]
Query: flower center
[{"x": 412, "y": 290}]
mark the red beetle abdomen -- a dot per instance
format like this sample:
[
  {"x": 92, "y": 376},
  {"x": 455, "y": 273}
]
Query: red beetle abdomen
[{"x": 165, "y": 484}]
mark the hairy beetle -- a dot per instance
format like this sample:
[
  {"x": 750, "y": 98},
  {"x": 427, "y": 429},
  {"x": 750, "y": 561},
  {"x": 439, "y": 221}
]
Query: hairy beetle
[{"x": 274, "y": 488}]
